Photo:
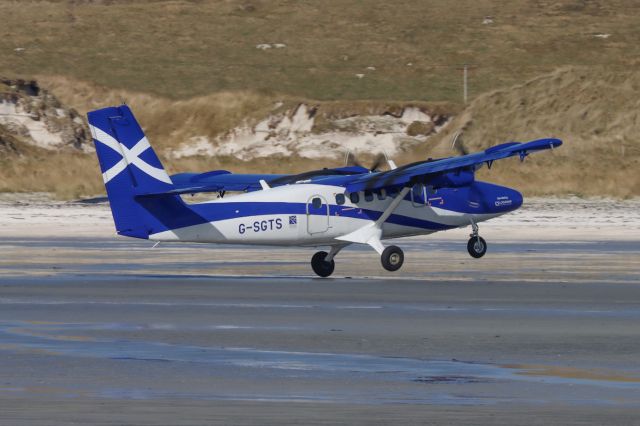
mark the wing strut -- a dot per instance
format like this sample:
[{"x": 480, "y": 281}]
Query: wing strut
[{"x": 371, "y": 232}]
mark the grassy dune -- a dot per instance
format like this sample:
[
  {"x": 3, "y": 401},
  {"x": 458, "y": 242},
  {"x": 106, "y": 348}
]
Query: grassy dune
[
  {"x": 588, "y": 108},
  {"x": 595, "y": 113}
]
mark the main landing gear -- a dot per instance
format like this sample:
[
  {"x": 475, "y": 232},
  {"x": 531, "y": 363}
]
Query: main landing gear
[
  {"x": 392, "y": 258},
  {"x": 476, "y": 246},
  {"x": 320, "y": 266},
  {"x": 323, "y": 264}
]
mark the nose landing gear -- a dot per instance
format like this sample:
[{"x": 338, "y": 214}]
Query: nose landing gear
[{"x": 476, "y": 246}]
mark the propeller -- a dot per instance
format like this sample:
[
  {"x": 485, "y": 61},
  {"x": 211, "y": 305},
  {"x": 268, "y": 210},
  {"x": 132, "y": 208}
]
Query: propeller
[
  {"x": 379, "y": 160},
  {"x": 458, "y": 146}
]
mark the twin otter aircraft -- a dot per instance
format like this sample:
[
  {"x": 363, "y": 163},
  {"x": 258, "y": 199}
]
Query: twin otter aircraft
[{"x": 328, "y": 207}]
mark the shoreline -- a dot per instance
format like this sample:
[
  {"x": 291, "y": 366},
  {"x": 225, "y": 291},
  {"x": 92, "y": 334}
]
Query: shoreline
[{"x": 549, "y": 219}]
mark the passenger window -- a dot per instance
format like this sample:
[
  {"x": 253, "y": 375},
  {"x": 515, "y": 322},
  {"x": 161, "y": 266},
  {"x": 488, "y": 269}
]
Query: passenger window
[
  {"x": 340, "y": 199},
  {"x": 354, "y": 197},
  {"x": 368, "y": 196},
  {"x": 316, "y": 203},
  {"x": 382, "y": 194}
]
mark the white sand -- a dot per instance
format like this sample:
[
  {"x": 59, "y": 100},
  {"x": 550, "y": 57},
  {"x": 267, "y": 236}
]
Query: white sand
[{"x": 571, "y": 219}]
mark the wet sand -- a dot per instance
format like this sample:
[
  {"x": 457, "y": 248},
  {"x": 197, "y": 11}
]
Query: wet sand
[{"x": 543, "y": 330}]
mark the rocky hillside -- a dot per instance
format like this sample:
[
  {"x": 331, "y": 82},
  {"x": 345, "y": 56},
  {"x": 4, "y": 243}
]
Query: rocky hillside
[
  {"x": 294, "y": 132},
  {"x": 44, "y": 144},
  {"x": 30, "y": 115},
  {"x": 246, "y": 126}
]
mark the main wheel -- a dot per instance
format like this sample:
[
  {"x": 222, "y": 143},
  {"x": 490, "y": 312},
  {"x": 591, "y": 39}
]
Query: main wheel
[
  {"x": 477, "y": 247},
  {"x": 392, "y": 258},
  {"x": 320, "y": 266}
]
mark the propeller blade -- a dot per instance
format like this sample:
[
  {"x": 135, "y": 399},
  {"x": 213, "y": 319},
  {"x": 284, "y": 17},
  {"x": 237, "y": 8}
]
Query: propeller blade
[
  {"x": 351, "y": 160},
  {"x": 377, "y": 162}
]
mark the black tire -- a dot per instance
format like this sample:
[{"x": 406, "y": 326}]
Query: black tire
[
  {"x": 320, "y": 266},
  {"x": 392, "y": 258},
  {"x": 477, "y": 247}
]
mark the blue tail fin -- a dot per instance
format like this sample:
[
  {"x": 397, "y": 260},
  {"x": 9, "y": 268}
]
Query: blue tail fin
[
  {"x": 131, "y": 167},
  {"x": 124, "y": 151}
]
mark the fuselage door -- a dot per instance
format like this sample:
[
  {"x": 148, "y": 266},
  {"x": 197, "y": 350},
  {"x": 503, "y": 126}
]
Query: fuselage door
[
  {"x": 317, "y": 215},
  {"x": 419, "y": 195}
]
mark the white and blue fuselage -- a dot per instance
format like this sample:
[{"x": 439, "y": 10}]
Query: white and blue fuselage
[{"x": 318, "y": 215}]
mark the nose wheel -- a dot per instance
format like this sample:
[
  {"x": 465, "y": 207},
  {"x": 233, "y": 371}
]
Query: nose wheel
[
  {"x": 392, "y": 258},
  {"x": 476, "y": 246}
]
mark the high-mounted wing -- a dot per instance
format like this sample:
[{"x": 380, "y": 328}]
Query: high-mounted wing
[
  {"x": 431, "y": 170},
  {"x": 222, "y": 180},
  {"x": 312, "y": 175},
  {"x": 214, "y": 181}
]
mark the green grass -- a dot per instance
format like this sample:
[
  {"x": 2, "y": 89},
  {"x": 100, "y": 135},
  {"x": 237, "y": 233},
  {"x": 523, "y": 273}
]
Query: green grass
[{"x": 181, "y": 49}]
